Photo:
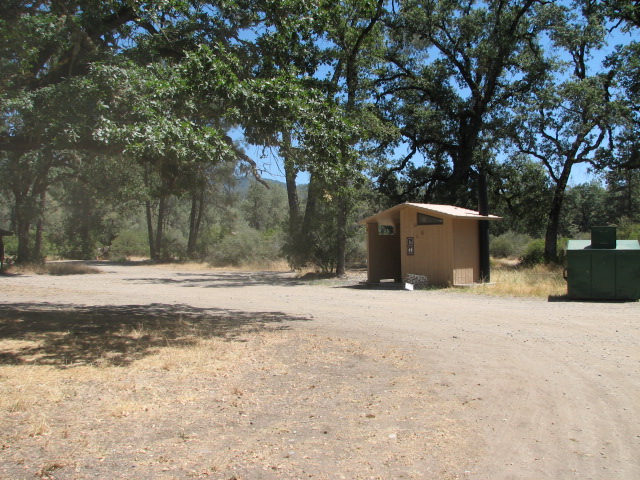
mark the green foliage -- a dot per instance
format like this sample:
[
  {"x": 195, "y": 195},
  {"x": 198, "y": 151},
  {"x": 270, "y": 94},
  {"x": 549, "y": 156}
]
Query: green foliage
[
  {"x": 357, "y": 247},
  {"x": 456, "y": 66},
  {"x": 534, "y": 253},
  {"x": 628, "y": 230},
  {"x": 247, "y": 247},
  {"x": 109, "y": 106},
  {"x": 265, "y": 208},
  {"x": 585, "y": 206},
  {"x": 623, "y": 196},
  {"x": 315, "y": 244},
  {"x": 520, "y": 192},
  {"x": 10, "y": 245},
  {"x": 129, "y": 243},
  {"x": 509, "y": 245},
  {"x": 568, "y": 117}
]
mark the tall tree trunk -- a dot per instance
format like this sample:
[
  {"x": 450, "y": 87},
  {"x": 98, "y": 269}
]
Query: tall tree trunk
[
  {"x": 153, "y": 254},
  {"x": 37, "y": 247},
  {"x": 195, "y": 219},
  {"x": 553, "y": 224},
  {"x": 160, "y": 223},
  {"x": 152, "y": 244},
  {"x": 191, "y": 242},
  {"x": 341, "y": 221},
  {"x": 23, "y": 213},
  {"x": 87, "y": 245},
  {"x": 296, "y": 231},
  {"x": 291, "y": 172},
  {"x": 23, "y": 228},
  {"x": 199, "y": 217},
  {"x": 483, "y": 228},
  {"x": 311, "y": 209},
  {"x": 303, "y": 237},
  {"x": 341, "y": 235}
]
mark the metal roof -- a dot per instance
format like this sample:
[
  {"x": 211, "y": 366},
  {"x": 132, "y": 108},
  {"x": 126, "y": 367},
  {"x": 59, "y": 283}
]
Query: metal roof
[{"x": 451, "y": 211}]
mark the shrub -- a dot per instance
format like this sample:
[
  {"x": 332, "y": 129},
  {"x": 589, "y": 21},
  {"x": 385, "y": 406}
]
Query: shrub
[
  {"x": 47, "y": 249},
  {"x": 508, "y": 245},
  {"x": 357, "y": 251},
  {"x": 247, "y": 247},
  {"x": 534, "y": 252},
  {"x": 628, "y": 231},
  {"x": 11, "y": 245},
  {"x": 129, "y": 243}
]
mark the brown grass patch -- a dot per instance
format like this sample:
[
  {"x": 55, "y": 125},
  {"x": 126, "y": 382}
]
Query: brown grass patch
[
  {"x": 160, "y": 393},
  {"x": 69, "y": 268},
  {"x": 55, "y": 268},
  {"x": 513, "y": 280}
]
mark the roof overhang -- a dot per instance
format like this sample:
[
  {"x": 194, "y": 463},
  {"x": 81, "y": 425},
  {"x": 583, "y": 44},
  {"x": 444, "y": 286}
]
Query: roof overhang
[{"x": 391, "y": 216}]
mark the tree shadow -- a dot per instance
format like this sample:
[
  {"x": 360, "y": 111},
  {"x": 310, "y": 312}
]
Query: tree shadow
[
  {"x": 119, "y": 263},
  {"x": 67, "y": 335},
  {"x": 224, "y": 279}
]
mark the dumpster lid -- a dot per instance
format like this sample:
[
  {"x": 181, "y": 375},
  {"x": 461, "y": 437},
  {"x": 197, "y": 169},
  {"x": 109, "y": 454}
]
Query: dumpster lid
[{"x": 586, "y": 245}]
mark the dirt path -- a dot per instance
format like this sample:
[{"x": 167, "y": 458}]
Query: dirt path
[{"x": 330, "y": 380}]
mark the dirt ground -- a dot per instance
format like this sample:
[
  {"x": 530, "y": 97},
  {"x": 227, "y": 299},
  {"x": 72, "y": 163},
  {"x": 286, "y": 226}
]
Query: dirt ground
[{"x": 146, "y": 372}]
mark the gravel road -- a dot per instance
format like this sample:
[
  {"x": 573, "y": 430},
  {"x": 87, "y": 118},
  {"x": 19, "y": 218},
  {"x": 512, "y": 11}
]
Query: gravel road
[{"x": 535, "y": 389}]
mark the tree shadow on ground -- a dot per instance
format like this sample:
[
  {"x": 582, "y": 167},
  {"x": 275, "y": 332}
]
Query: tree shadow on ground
[
  {"x": 223, "y": 279},
  {"x": 66, "y": 335},
  {"x": 119, "y": 263}
]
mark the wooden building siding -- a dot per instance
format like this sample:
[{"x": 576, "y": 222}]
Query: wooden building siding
[
  {"x": 383, "y": 254},
  {"x": 466, "y": 263},
  {"x": 446, "y": 253},
  {"x": 433, "y": 248}
]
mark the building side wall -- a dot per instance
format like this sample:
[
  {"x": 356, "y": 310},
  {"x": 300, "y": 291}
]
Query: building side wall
[
  {"x": 466, "y": 257},
  {"x": 433, "y": 248},
  {"x": 383, "y": 254}
]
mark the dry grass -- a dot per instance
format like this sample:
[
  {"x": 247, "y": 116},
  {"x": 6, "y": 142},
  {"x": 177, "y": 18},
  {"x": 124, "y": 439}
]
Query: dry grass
[
  {"x": 542, "y": 281},
  {"x": 189, "y": 399},
  {"x": 55, "y": 268},
  {"x": 67, "y": 268}
]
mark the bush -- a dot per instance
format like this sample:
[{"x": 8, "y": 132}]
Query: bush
[
  {"x": 534, "y": 252},
  {"x": 628, "y": 230},
  {"x": 10, "y": 245},
  {"x": 508, "y": 245},
  {"x": 357, "y": 250},
  {"x": 47, "y": 249},
  {"x": 247, "y": 247},
  {"x": 129, "y": 243}
]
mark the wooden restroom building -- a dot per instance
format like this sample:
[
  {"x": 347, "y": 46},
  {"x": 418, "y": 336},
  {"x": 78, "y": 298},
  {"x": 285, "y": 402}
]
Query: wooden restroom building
[{"x": 440, "y": 242}]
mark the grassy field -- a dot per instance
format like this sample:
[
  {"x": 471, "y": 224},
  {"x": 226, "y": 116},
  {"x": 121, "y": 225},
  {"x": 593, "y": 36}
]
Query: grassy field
[{"x": 511, "y": 279}]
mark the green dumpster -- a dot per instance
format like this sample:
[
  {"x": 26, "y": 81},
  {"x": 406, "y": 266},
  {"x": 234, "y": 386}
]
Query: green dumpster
[{"x": 603, "y": 269}]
